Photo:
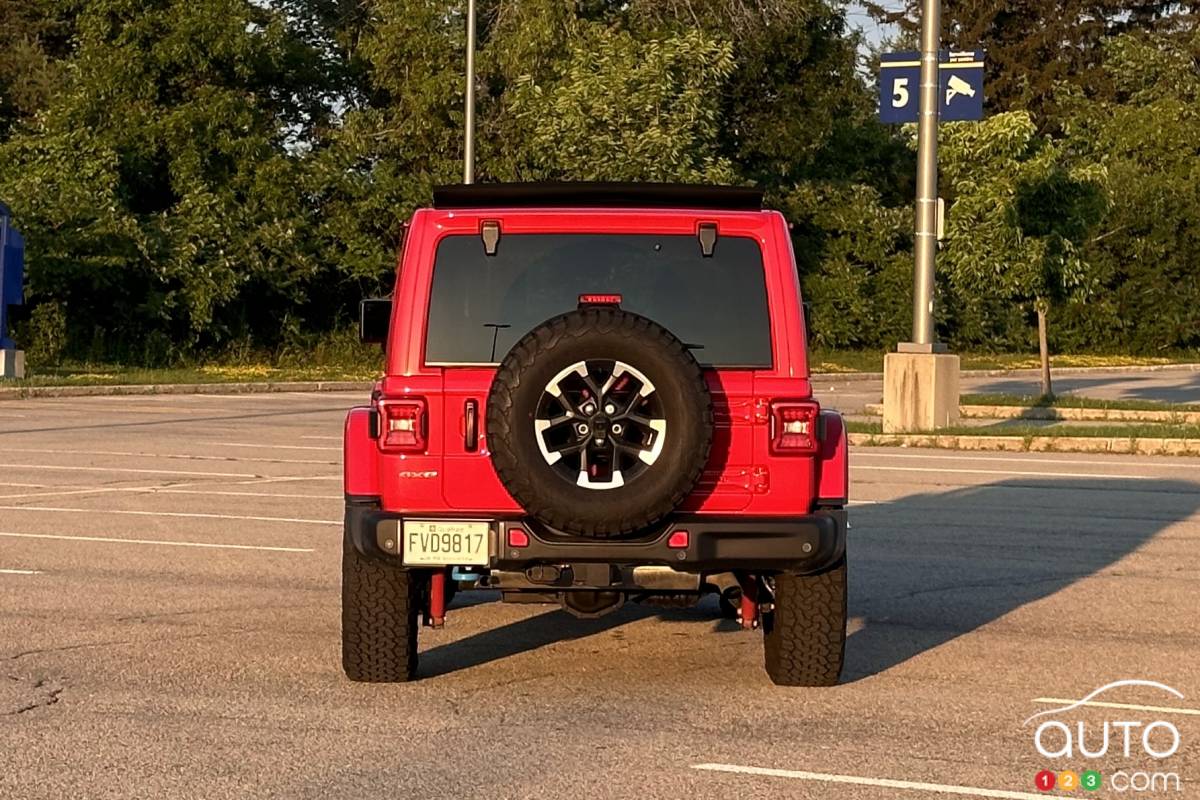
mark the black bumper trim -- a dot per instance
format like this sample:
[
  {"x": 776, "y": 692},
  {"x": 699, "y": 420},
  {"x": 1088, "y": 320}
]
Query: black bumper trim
[{"x": 809, "y": 543}]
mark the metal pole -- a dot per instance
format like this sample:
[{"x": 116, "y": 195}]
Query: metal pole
[
  {"x": 927, "y": 174},
  {"x": 469, "y": 146}
]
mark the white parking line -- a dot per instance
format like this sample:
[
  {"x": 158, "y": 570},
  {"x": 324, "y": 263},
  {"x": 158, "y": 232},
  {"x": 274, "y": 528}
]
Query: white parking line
[
  {"x": 1126, "y": 706},
  {"x": 884, "y": 783},
  {"x": 241, "y": 494},
  {"x": 171, "y": 514},
  {"x": 183, "y": 456},
  {"x": 114, "y": 540},
  {"x": 324, "y": 438},
  {"x": 57, "y": 468},
  {"x": 20, "y": 572},
  {"x": 952, "y": 471},
  {"x": 260, "y": 446},
  {"x": 63, "y": 493},
  {"x": 164, "y": 490}
]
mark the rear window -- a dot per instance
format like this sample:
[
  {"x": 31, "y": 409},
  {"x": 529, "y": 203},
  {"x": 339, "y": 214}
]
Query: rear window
[{"x": 481, "y": 305}]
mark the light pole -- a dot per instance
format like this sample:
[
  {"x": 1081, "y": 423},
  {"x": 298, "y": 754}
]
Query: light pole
[
  {"x": 469, "y": 144},
  {"x": 920, "y": 381},
  {"x": 927, "y": 181}
]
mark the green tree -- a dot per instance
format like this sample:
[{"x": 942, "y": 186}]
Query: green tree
[
  {"x": 34, "y": 38},
  {"x": 854, "y": 255},
  {"x": 1145, "y": 254},
  {"x": 1021, "y": 209},
  {"x": 623, "y": 109},
  {"x": 155, "y": 185}
]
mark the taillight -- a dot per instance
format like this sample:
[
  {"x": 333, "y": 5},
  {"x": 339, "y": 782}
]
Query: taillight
[
  {"x": 517, "y": 537},
  {"x": 794, "y": 427},
  {"x": 404, "y": 424}
]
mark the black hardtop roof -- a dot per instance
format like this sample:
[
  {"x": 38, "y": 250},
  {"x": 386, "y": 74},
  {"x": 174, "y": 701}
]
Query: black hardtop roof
[{"x": 598, "y": 195}]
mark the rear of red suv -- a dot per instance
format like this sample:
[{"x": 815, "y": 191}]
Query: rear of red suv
[{"x": 595, "y": 394}]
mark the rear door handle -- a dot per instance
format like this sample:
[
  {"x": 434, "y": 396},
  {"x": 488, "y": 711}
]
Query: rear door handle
[{"x": 471, "y": 426}]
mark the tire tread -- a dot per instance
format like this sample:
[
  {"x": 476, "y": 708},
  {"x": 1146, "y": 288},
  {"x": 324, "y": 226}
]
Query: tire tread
[{"x": 804, "y": 638}]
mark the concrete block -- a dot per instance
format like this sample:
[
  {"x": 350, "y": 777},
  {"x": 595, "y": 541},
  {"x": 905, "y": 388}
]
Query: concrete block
[
  {"x": 920, "y": 392},
  {"x": 12, "y": 364}
]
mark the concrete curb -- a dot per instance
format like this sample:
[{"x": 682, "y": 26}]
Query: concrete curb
[
  {"x": 251, "y": 387},
  {"x": 1064, "y": 414},
  {"x": 1033, "y": 444},
  {"x": 1081, "y": 414},
  {"x": 34, "y": 392},
  {"x": 1014, "y": 373}
]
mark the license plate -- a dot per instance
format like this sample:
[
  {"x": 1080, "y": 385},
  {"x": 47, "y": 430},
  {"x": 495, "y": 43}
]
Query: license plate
[{"x": 445, "y": 543}]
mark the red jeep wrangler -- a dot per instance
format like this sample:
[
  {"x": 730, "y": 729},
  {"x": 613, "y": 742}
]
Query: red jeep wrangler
[{"x": 595, "y": 393}]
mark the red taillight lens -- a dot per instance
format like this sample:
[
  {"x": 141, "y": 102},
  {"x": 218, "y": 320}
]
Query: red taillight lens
[
  {"x": 794, "y": 427},
  {"x": 403, "y": 424},
  {"x": 678, "y": 540},
  {"x": 517, "y": 537}
]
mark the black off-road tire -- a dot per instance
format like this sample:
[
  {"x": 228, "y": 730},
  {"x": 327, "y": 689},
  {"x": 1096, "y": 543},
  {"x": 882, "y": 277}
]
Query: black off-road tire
[
  {"x": 380, "y": 602},
  {"x": 804, "y": 640},
  {"x": 598, "y": 334}
]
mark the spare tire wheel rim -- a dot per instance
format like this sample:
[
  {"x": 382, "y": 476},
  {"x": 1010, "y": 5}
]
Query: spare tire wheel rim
[{"x": 600, "y": 423}]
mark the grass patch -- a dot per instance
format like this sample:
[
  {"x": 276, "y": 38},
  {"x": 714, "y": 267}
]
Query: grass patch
[
  {"x": 333, "y": 356},
  {"x": 117, "y": 375},
  {"x": 1072, "y": 401},
  {"x": 1021, "y": 428},
  {"x": 836, "y": 361}
]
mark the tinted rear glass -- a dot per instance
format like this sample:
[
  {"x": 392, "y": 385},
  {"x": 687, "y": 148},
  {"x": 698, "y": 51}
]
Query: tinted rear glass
[{"x": 717, "y": 304}]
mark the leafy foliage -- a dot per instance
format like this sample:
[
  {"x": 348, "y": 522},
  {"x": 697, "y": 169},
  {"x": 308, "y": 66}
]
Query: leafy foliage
[
  {"x": 222, "y": 175},
  {"x": 1146, "y": 251},
  {"x": 154, "y": 186},
  {"x": 1020, "y": 211},
  {"x": 622, "y": 109}
]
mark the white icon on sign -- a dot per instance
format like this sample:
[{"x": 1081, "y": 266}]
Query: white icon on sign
[{"x": 958, "y": 86}]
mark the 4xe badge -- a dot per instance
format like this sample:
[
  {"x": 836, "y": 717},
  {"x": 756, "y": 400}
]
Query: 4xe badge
[{"x": 1086, "y": 735}]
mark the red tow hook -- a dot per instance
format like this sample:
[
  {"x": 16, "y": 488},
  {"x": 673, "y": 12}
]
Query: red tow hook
[
  {"x": 437, "y": 600},
  {"x": 749, "y": 611}
]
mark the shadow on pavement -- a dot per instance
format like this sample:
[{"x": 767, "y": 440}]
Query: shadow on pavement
[
  {"x": 928, "y": 568},
  {"x": 924, "y": 569},
  {"x": 519, "y": 637}
]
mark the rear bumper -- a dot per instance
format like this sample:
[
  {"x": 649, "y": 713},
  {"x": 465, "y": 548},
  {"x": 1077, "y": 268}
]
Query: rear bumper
[{"x": 809, "y": 543}]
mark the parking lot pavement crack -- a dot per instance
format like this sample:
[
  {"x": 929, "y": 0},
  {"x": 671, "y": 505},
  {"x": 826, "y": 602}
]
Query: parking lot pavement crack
[
  {"x": 187, "y": 612},
  {"x": 998, "y": 584},
  {"x": 64, "y": 648},
  {"x": 30, "y": 695}
]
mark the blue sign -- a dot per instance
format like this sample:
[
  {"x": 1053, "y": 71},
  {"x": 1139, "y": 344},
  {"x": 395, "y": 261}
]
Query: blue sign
[
  {"x": 12, "y": 273},
  {"x": 960, "y": 92}
]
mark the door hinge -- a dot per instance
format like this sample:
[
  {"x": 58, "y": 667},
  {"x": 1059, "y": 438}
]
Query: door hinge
[
  {"x": 761, "y": 480},
  {"x": 762, "y": 411}
]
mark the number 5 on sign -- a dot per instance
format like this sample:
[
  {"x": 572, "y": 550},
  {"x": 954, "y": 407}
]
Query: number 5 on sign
[{"x": 900, "y": 93}]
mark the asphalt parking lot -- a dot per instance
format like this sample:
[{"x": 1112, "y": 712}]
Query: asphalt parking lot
[{"x": 169, "y": 571}]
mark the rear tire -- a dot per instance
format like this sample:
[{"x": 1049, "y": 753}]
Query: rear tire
[
  {"x": 804, "y": 642},
  {"x": 380, "y": 602}
]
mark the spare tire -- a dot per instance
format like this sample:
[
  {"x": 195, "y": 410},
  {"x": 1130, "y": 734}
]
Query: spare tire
[{"x": 599, "y": 422}]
